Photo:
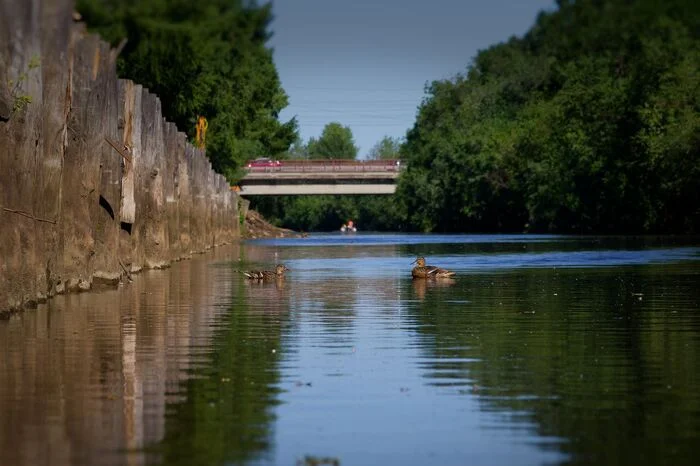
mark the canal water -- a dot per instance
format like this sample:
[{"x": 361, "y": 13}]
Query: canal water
[{"x": 541, "y": 350}]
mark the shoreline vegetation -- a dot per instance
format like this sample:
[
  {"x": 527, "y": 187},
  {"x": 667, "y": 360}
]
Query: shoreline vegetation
[
  {"x": 587, "y": 123},
  {"x": 205, "y": 59}
]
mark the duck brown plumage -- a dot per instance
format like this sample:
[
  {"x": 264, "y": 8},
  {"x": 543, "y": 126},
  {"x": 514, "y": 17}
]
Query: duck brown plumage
[
  {"x": 266, "y": 274},
  {"x": 421, "y": 270}
]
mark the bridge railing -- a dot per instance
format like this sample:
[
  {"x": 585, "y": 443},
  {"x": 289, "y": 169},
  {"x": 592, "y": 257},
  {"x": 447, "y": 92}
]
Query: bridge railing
[{"x": 321, "y": 166}]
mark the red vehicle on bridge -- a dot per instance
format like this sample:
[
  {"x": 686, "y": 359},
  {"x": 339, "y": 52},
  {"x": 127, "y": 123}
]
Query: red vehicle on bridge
[{"x": 265, "y": 163}]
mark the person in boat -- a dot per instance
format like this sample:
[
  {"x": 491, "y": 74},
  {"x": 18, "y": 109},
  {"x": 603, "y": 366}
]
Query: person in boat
[{"x": 349, "y": 227}]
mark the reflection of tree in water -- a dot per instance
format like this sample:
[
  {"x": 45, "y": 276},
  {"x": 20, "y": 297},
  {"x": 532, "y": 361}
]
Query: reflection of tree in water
[
  {"x": 227, "y": 413},
  {"x": 267, "y": 296},
  {"x": 331, "y": 302},
  {"x": 518, "y": 244},
  {"x": 604, "y": 359}
]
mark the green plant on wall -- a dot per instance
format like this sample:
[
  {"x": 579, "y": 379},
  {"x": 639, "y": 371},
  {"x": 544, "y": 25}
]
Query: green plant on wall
[{"x": 19, "y": 100}]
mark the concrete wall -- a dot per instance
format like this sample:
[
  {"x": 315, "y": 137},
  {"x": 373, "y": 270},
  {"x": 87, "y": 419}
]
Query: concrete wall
[{"x": 74, "y": 210}]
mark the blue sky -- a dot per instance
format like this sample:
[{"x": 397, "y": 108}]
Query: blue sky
[{"x": 364, "y": 63}]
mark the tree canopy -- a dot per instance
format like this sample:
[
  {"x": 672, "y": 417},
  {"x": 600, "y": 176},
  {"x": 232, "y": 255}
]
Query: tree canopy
[
  {"x": 209, "y": 58},
  {"x": 336, "y": 142},
  {"x": 298, "y": 150},
  {"x": 588, "y": 123},
  {"x": 387, "y": 148}
]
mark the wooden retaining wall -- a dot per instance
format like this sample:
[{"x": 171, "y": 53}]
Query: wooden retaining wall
[{"x": 93, "y": 181}]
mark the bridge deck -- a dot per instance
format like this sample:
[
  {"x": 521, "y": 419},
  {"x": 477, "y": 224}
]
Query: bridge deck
[
  {"x": 313, "y": 177},
  {"x": 316, "y": 189},
  {"x": 336, "y": 175}
]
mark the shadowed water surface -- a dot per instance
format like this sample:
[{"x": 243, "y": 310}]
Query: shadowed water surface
[{"x": 542, "y": 350}]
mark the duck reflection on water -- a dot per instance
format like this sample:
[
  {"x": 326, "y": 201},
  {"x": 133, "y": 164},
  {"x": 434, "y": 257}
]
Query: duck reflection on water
[
  {"x": 277, "y": 274},
  {"x": 421, "y": 286}
]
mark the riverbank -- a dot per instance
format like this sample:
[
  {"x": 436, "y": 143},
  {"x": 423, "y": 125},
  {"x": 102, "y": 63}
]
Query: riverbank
[
  {"x": 94, "y": 183},
  {"x": 257, "y": 227}
]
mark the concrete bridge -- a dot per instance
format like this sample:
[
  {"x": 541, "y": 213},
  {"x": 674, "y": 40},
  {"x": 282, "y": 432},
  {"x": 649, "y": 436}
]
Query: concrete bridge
[{"x": 308, "y": 177}]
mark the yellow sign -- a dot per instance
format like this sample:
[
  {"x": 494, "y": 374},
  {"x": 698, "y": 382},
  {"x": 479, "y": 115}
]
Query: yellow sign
[{"x": 202, "y": 126}]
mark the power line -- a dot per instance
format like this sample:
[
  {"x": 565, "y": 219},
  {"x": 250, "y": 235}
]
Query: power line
[
  {"x": 357, "y": 89},
  {"x": 350, "y": 101},
  {"x": 355, "y": 102},
  {"x": 343, "y": 108},
  {"x": 351, "y": 114},
  {"x": 360, "y": 125},
  {"x": 353, "y": 117}
]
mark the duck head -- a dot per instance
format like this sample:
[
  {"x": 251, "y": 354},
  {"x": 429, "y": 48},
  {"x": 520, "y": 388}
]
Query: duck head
[{"x": 420, "y": 261}]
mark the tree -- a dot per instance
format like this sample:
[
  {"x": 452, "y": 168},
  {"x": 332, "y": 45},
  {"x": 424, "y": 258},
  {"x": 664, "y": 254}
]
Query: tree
[
  {"x": 299, "y": 150},
  {"x": 336, "y": 142},
  {"x": 588, "y": 123},
  {"x": 205, "y": 58},
  {"x": 387, "y": 149}
]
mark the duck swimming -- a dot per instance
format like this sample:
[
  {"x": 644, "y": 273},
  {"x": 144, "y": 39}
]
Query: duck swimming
[
  {"x": 266, "y": 274},
  {"x": 428, "y": 271}
]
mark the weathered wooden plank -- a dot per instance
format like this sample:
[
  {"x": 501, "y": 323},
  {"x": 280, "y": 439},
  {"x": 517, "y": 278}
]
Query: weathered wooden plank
[
  {"x": 56, "y": 40},
  {"x": 131, "y": 245},
  {"x": 170, "y": 136},
  {"x": 127, "y": 204},
  {"x": 185, "y": 196},
  {"x": 198, "y": 221},
  {"x": 81, "y": 169},
  {"x": 150, "y": 178},
  {"x": 106, "y": 220},
  {"x": 20, "y": 147},
  {"x": 210, "y": 202}
]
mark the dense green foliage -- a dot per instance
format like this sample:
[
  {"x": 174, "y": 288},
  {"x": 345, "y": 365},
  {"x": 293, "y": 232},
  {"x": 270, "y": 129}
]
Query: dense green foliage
[
  {"x": 298, "y": 150},
  {"x": 387, "y": 149},
  {"x": 328, "y": 213},
  {"x": 336, "y": 142},
  {"x": 588, "y": 123},
  {"x": 205, "y": 57}
]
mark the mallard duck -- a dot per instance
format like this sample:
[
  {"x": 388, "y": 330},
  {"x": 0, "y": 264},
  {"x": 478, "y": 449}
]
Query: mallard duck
[
  {"x": 428, "y": 271},
  {"x": 266, "y": 274}
]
